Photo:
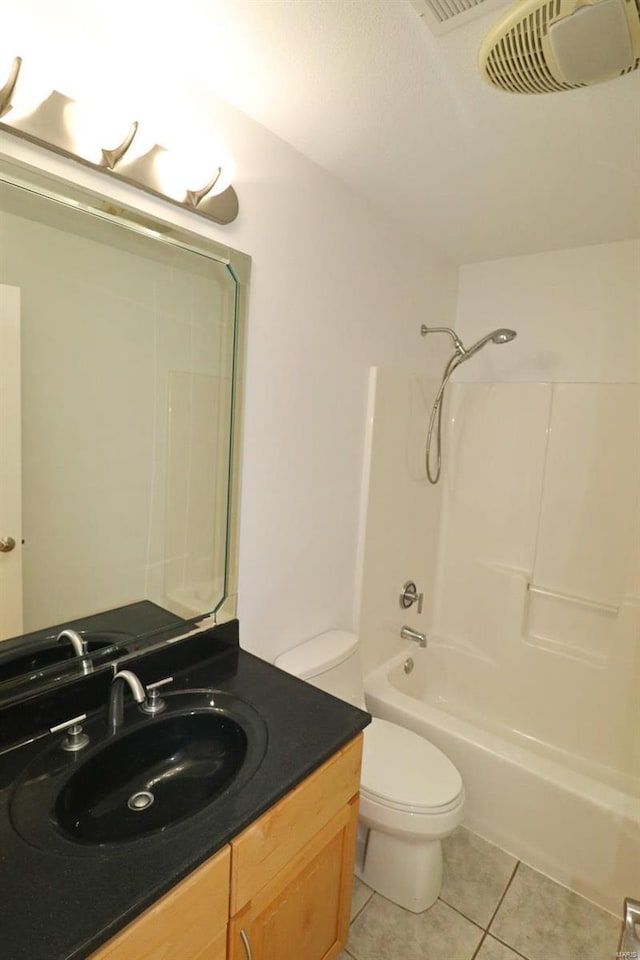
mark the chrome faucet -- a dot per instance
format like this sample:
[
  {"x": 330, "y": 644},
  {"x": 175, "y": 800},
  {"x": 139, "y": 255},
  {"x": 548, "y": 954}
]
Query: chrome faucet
[
  {"x": 76, "y": 641},
  {"x": 79, "y": 648},
  {"x": 408, "y": 634},
  {"x": 115, "y": 710}
]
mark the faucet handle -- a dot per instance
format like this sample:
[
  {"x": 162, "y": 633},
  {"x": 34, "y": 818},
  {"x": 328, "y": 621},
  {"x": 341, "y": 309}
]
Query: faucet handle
[
  {"x": 154, "y": 703},
  {"x": 75, "y": 739},
  {"x": 409, "y": 595},
  {"x": 67, "y": 723}
]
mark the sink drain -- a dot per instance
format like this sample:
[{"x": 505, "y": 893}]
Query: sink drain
[{"x": 140, "y": 801}]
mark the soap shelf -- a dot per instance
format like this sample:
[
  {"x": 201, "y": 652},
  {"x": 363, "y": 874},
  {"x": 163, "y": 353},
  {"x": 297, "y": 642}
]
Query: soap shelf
[{"x": 606, "y": 608}]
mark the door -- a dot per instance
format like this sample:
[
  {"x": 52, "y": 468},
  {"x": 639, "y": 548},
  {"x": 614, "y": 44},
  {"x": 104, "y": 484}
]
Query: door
[{"x": 10, "y": 465}]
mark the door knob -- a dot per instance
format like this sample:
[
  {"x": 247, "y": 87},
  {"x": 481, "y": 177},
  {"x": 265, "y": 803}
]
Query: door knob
[{"x": 7, "y": 544}]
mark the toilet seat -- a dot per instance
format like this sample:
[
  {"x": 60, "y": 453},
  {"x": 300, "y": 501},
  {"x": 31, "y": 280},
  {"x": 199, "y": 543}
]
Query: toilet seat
[
  {"x": 406, "y": 808},
  {"x": 404, "y": 772}
]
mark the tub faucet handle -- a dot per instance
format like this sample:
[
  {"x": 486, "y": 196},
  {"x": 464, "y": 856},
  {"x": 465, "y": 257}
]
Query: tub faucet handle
[{"x": 409, "y": 595}]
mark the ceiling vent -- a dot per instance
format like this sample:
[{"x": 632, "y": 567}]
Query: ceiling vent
[
  {"x": 545, "y": 46},
  {"x": 443, "y": 15}
]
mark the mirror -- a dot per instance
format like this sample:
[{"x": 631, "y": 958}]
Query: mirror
[{"x": 118, "y": 435}]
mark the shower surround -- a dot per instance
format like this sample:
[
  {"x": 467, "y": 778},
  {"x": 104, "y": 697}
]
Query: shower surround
[
  {"x": 539, "y": 565},
  {"x": 529, "y": 555}
]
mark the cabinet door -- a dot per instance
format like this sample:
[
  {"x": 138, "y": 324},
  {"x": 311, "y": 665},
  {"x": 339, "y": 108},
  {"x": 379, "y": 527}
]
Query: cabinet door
[
  {"x": 216, "y": 950},
  {"x": 188, "y": 923},
  {"x": 285, "y": 831},
  {"x": 304, "y": 911}
]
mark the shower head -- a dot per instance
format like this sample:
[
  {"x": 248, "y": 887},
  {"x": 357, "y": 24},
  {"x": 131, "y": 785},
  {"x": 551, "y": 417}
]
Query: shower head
[{"x": 502, "y": 335}]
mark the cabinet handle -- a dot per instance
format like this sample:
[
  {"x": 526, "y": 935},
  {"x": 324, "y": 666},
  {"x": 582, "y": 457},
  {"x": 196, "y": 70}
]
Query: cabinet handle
[{"x": 246, "y": 944}]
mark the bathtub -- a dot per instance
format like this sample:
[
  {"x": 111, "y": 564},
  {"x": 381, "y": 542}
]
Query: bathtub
[{"x": 566, "y": 818}]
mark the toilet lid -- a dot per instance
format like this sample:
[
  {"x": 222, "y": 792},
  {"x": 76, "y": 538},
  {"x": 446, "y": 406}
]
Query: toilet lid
[{"x": 402, "y": 769}]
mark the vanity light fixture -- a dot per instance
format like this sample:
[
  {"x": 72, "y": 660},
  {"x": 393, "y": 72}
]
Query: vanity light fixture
[{"x": 47, "y": 125}]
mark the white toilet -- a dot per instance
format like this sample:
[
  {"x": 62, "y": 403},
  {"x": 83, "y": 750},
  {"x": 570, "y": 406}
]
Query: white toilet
[{"x": 411, "y": 795}]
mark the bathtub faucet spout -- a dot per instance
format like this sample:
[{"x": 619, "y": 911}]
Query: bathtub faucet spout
[{"x": 408, "y": 634}]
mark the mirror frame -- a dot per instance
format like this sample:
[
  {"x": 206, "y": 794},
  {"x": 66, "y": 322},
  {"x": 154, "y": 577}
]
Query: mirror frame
[{"x": 56, "y": 188}]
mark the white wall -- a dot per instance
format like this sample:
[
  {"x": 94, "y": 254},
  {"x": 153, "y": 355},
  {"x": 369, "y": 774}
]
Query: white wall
[
  {"x": 401, "y": 513},
  {"x": 335, "y": 288},
  {"x": 576, "y": 311}
]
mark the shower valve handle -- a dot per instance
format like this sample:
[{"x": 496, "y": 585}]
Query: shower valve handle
[{"x": 409, "y": 595}]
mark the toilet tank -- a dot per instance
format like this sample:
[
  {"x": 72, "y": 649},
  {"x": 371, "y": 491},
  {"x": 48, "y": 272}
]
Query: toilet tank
[{"x": 329, "y": 661}]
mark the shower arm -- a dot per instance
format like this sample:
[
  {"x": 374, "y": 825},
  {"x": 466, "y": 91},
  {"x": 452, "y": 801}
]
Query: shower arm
[{"x": 457, "y": 342}]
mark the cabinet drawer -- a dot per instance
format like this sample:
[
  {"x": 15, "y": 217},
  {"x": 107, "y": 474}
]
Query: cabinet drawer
[
  {"x": 188, "y": 922},
  {"x": 282, "y": 832}
]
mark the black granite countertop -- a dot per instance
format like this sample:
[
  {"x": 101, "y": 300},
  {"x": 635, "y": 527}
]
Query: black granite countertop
[
  {"x": 62, "y": 906},
  {"x": 38, "y": 657}
]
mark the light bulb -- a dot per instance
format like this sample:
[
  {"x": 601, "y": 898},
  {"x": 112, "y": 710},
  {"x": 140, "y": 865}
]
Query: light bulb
[
  {"x": 227, "y": 176},
  {"x": 198, "y": 166},
  {"x": 171, "y": 174},
  {"x": 145, "y": 139},
  {"x": 33, "y": 86},
  {"x": 203, "y": 156},
  {"x": 96, "y": 126},
  {"x": 181, "y": 170}
]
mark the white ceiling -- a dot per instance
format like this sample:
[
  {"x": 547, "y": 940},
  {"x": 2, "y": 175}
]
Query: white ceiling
[
  {"x": 367, "y": 91},
  {"x": 363, "y": 88}
]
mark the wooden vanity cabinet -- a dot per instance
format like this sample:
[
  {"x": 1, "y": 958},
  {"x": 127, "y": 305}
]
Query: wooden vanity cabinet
[
  {"x": 292, "y": 870},
  {"x": 188, "y": 923},
  {"x": 281, "y": 890}
]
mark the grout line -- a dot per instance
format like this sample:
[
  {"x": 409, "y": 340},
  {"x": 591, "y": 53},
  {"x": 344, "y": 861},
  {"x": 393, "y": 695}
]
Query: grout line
[
  {"x": 505, "y": 891},
  {"x": 364, "y": 905},
  {"x": 482, "y": 940},
  {"x": 485, "y": 930},
  {"x": 461, "y": 914},
  {"x": 508, "y": 946}
]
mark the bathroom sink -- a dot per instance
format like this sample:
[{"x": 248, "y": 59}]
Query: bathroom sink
[
  {"x": 154, "y": 775},
  {"x": 151, "y": 777}
]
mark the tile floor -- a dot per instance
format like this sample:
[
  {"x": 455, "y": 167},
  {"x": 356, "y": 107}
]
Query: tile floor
[{"x": 492, "y": 907}]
